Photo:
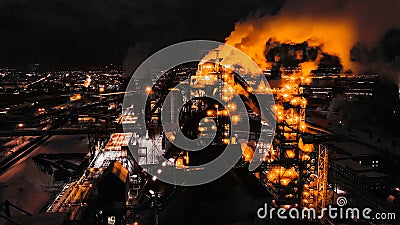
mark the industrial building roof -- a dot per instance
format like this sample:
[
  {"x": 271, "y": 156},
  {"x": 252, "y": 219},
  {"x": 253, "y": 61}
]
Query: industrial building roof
[
  {"x": 355, "y": 149},
  {"x": 120, "y": 171},
  {"x": 353, "y": 166},
  {"x": 373, "y": 174},
  {"x": 117, "y": 140}
]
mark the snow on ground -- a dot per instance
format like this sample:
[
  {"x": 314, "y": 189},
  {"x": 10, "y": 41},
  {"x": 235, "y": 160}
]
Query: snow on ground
[
  {"x": 66, "y": 144},
  {"x": 25, "y": 185}
]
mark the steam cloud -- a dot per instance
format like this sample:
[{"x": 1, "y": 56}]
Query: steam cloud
[{"x": 335, "y": 27}]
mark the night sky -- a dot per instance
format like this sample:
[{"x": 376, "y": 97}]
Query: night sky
[{"x": 97, "y": 32}]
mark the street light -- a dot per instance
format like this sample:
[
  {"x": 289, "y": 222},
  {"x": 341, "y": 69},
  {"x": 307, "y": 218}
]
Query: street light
[{"x": 155, "y": 205}]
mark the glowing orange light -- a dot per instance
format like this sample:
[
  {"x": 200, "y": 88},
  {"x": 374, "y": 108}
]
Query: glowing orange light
[
  {"x": 235, "y": 119},
  {"x": 148, "y": 89}
]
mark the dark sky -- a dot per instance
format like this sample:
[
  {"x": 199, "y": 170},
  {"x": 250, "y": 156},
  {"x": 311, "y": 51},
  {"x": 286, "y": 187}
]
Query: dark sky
[{"x": 93, "y": 32}]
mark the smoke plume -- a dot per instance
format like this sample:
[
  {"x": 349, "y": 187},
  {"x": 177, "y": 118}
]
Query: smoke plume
[{"x": 335, "y": 27}]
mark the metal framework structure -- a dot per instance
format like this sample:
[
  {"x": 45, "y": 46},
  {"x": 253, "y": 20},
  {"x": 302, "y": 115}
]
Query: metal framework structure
[
  {"x": 295, "y": 167},
  {"x": 296, "y": 173},
  {"x": 322, "y": 177}
]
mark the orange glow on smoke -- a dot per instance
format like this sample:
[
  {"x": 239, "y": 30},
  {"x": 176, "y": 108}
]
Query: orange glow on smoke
[{"x": 335, "y": 36}]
